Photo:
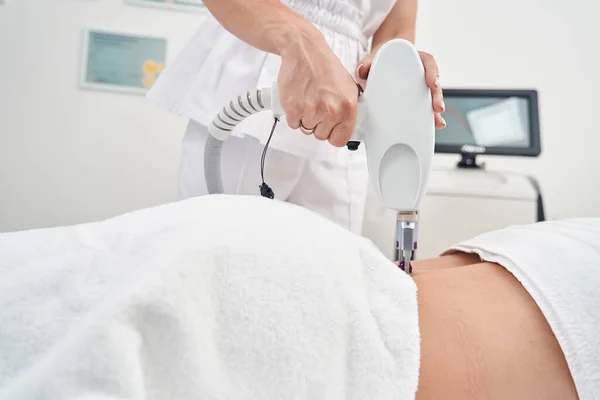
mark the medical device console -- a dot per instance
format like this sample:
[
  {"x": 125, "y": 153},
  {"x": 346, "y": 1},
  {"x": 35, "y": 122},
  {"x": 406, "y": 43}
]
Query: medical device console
[
  {"x": 492, "y": 122},
  {"x": 395, "y": 121}
]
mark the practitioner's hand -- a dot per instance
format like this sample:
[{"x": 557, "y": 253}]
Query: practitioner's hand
[
  {"x": 317, "y": 93},
  {"x": 432, "y": 77}
]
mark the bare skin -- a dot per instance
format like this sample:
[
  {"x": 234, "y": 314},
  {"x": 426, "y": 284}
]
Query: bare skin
[{"x": 483, "y": 336}]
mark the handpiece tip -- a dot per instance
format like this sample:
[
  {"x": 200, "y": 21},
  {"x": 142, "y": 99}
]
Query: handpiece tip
[{"x": 406, "y": 266}]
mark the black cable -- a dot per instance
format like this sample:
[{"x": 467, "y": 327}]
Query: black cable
[{"x": 265, "y": 190}]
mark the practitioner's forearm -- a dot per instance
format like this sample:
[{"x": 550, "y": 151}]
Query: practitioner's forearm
[
  {"x": 265, "y": 24},
  {"x": 400, "y": 23}
]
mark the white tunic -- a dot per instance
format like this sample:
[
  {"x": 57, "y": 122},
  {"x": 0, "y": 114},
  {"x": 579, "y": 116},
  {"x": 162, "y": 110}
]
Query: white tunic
[{"x": 216, "y": 66}]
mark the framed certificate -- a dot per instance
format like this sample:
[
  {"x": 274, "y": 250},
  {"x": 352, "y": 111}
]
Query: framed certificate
[
  {"x": 177, "y": 5},
  {"x": 121, "y": 62}
]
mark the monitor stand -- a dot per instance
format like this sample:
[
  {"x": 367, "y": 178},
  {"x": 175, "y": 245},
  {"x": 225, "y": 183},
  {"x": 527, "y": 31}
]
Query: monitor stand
[{"x": 469, "y": 161}]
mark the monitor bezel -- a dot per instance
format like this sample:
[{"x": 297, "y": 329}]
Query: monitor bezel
[{"x": 533, "y": 150}]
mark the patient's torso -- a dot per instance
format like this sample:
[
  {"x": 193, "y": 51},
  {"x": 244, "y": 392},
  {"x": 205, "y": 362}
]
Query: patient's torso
[{"x": 483, "y": 337}]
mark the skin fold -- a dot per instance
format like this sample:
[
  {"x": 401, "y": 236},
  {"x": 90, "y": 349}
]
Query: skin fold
[{"x": 483, "y": 336}]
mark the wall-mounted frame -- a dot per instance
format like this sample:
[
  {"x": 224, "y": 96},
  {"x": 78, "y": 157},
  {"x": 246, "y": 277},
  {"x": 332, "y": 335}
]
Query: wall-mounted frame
[
  {"x": 121, "y": 62},
  {"x": 175, "y": 5}
]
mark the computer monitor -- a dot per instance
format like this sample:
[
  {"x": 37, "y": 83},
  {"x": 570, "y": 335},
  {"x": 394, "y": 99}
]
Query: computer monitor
[{"x": 491, "y": 122}]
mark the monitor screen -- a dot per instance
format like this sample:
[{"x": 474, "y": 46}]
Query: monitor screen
[{"x": 498, "y": 122}]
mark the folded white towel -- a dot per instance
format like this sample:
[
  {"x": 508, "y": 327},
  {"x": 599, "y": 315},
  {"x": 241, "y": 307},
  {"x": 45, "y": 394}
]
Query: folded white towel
[
  {"x": 558, "y": 263},
  {"x": 213, "y": 298}
]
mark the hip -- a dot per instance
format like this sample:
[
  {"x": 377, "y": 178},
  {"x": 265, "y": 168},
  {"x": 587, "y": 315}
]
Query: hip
[{"x": 478, "y": 324}]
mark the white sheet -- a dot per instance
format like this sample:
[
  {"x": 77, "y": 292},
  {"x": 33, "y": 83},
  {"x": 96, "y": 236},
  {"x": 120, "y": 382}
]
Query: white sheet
[
  {"x": 212, "y": 298},
  {"x": 558, "y": 263}
]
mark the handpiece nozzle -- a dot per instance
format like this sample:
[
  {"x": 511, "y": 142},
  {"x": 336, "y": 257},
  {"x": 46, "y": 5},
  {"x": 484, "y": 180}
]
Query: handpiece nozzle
[
  {"x": 406, "y": 238},
  {"x": 404, "y": 262}
]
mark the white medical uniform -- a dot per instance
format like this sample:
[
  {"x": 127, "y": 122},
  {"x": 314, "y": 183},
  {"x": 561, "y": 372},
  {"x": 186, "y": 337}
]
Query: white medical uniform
[{"x": 217, "y": 66}]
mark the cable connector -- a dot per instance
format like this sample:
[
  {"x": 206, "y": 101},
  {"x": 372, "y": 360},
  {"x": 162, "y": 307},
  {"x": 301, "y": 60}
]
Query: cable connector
[{"x": 266, "y": 191}]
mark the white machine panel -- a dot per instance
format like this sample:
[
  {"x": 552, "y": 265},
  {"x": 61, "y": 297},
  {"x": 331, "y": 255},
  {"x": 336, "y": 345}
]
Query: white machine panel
[
  {"x": 447, "y": 220},
  {"x": 461, "y": 204}
]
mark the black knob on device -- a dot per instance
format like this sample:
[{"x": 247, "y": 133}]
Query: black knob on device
[{"x": 353, "y": 145}]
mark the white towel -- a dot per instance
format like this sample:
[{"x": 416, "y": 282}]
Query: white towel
[
  {"x": 558, "y": 263},
  {"x": 213, "y": 298}
]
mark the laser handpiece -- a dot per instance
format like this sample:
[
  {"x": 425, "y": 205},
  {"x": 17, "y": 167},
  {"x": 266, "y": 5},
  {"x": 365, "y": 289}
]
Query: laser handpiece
[{"x": 395, "y": 121}]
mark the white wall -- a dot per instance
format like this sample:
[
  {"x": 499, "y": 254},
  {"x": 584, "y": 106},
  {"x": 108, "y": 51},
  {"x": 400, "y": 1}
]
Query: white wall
[
  {"x": 549, "y": 45},
  {"x": 70, "y": 156}
]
